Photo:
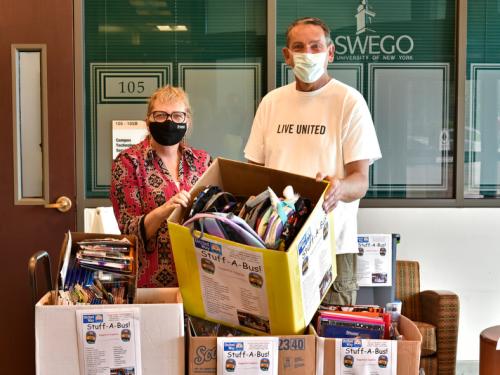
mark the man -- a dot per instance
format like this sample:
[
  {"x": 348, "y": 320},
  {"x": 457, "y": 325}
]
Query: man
[{"x": 320, "y": 128}]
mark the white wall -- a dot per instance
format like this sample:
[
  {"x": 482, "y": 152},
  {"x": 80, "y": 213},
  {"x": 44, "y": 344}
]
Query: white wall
[{"x": 458, "y": 250}]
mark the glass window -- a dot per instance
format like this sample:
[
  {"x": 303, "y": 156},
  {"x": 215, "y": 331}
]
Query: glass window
[
  {"x": 400, "y": 56},
  {"x": 482, "y": 131},
  {"x": 30, "y": 132},
  {"x": 215, "y": 49}
]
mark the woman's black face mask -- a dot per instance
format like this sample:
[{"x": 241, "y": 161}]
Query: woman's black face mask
[{"x": 167, "y": 133}]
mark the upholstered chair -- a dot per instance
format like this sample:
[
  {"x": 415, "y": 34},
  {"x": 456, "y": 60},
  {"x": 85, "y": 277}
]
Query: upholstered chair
[{"x": 436, "y": 315}]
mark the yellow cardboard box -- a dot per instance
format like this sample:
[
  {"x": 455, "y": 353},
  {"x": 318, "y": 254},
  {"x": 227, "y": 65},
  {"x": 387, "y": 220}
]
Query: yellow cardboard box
[{"x": 256, "y": 290}]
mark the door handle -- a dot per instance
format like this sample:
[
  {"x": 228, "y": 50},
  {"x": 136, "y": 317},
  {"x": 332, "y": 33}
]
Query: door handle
[{"x": 63, "y": 204}]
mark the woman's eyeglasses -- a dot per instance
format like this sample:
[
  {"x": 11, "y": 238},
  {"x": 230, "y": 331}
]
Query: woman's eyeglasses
[{"x": 176, "y": 116}]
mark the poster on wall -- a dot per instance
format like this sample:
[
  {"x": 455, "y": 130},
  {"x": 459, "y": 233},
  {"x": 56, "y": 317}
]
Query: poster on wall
[
  {"x": 127, "y": 133},
  {"x": 374, "y": 262}
]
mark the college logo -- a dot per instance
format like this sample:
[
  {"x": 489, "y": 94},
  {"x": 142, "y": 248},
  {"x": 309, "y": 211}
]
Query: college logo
[
  {"x": 92, "y": 318},
  {"x": 364, "y": 17},
  {"x": 212, "y": 247},
  {"x": 368, "y": 43},
  {"x": 232, "y": 346}
]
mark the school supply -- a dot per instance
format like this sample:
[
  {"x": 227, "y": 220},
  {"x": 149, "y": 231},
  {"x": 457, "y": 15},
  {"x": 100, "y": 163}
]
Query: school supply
[
  {"x": 264, "y": 220},
  {"x": 223, "y": 225},
  {"x": 365, "y": 325},
  {"x": 98, "y": 271}
]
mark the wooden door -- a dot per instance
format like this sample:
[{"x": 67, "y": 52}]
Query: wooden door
[{"x": 26, "y": 226}]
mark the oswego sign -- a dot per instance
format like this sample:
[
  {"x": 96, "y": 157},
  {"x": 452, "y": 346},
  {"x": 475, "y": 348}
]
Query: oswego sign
[{"x": 368, "y": 45}]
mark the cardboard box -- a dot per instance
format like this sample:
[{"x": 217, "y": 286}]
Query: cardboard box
[
  {"x": 162, "y": 333},
  {"x": 257, "y": 290},
  {"x": 297, "y": 355},
  {"x": 408, "y": 350}
]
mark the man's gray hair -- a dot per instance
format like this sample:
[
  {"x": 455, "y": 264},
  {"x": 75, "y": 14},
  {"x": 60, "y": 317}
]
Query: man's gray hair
[{"x": 309, "y": 21}]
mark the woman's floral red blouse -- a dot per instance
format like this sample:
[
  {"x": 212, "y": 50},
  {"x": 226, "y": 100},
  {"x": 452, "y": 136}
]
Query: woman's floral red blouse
[{"x": 140, "y": 183}]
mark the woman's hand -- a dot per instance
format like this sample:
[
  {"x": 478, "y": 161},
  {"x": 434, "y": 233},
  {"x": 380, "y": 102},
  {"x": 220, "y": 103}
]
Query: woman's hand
[
  {"x": 182, "y": 198},
  {"x": 154, "y": 219}
]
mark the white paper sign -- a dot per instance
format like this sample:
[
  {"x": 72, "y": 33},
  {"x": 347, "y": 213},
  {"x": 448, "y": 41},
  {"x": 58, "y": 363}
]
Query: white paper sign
[
  {"x": 233, "y": 284},
  {"x": 109, "y": 341},
  {"x": 315, "y": 263},
  {"x": 127, "y": 133},
  {"x": 247, "y": 355},
  {"x": 374, "y": 266},
  {"x": 366, "y": 357}
]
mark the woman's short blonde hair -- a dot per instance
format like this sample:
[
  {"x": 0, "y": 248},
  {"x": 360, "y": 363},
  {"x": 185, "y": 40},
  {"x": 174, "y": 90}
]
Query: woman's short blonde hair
[{"x": 170, "y": 94}]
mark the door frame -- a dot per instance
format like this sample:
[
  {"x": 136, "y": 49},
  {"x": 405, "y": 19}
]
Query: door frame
[{"x": 82, "y": 201}]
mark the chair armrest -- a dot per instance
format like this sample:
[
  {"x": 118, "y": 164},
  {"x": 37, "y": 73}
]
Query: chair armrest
[{"x": 441, "y": 308}]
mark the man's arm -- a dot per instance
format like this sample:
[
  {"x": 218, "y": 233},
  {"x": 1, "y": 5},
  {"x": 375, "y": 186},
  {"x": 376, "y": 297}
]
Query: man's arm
[{"x": 353, "y": 186}]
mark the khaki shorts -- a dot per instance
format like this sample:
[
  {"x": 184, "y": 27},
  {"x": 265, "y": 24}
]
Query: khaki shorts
[{"x": 345, "y": 287}]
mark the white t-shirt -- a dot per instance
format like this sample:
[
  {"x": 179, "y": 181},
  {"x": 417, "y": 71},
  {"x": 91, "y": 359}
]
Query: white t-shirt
[{"x": 319, "y": 131}]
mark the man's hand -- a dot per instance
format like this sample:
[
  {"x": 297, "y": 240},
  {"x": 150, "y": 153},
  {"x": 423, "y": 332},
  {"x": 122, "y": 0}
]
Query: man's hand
[
  {"x": 334, "y": 192},
  {"x": 353, "y": 186}
]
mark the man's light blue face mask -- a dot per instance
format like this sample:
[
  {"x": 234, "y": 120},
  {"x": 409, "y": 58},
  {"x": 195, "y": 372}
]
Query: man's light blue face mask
[{"x": 309, "y": 67}]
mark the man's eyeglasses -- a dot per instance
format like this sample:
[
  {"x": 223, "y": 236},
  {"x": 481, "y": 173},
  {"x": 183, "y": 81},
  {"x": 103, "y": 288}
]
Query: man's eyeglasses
[{"x": 176, "y": 116}]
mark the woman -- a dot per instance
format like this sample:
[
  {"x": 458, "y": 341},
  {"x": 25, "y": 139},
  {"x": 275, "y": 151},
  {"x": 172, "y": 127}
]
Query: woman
[{"x": 152, "y": 178}]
